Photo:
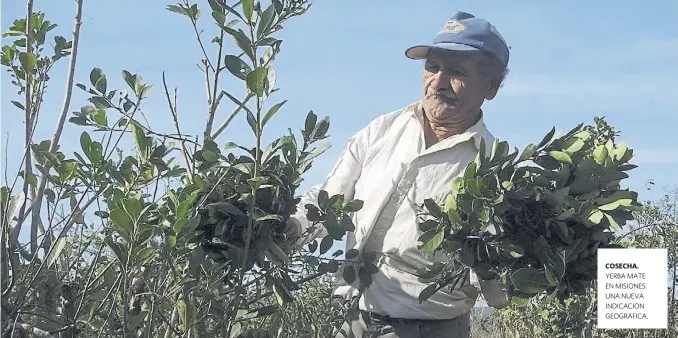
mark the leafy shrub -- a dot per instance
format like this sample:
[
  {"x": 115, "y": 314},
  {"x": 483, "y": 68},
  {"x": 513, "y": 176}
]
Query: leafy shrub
[{"x": 536, "y": 219}]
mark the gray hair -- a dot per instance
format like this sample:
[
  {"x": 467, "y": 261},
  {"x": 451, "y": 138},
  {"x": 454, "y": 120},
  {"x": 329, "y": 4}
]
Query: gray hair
[{"x": 492, "y": 69}]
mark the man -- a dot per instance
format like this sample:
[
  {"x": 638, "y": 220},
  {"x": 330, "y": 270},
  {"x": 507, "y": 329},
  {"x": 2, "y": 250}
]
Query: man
[{"x": 404, "y": 157}]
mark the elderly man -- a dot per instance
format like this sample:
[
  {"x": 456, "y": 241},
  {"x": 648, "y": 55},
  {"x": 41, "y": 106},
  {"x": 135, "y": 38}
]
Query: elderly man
[{"x": 404, "y": 157}]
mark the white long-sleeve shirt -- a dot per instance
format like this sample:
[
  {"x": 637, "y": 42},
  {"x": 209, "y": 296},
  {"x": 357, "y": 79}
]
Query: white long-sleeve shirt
[{"x": 389, "y": 168}]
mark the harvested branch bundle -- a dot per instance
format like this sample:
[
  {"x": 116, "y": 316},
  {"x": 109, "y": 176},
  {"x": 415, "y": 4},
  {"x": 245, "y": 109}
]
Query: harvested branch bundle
[{"x": 536, "y": 219}]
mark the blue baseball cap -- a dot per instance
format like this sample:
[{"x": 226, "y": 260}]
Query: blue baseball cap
[{"x": 464, "y": 32}]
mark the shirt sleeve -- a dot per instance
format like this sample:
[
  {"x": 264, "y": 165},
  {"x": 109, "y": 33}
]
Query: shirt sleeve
[{"x": 341, "y": 180}]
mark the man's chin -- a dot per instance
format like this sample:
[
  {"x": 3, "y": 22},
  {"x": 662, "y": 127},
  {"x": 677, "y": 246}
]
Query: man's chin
[{"x": 440, "y": 110}]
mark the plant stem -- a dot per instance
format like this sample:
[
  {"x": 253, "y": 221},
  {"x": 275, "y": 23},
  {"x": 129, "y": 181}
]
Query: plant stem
[
  {"x": 28, "y": 119},
  {"x": 233, "y": 114},
  {"x": 37, "y": 202},
  {"x": 175, "y": 117},
  {"x": 257, "y": 165},
  {"x": 214, "y": 101}
]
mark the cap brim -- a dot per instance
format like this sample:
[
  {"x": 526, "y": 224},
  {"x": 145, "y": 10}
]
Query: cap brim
[{"x": 421, "y": 51}]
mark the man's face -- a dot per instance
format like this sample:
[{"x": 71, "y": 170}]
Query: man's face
[{"x": 453, "y": 87}]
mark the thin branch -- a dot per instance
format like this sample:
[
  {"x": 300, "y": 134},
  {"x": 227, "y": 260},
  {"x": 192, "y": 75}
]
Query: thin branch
[
  {"x": 175, "y": 117},
  {"x": 62, "y": 118},
  {"x": 214, "y": 101},
  {"x": 233, "y": 114},
  {"x": 28, "y": 119}
]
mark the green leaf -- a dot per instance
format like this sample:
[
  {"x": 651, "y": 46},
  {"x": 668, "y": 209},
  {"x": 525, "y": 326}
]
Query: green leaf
[
  {"x": 626, "y": 202},
  {"x": 365, "y": 278},
  {"x": 220, "y": 18},
  {"x": 133, "y": 207},
  {"x": 320, "y": 131},
  {"x": 353, "y": 206},
  {"x": 530, "y": 280},
  {"x": 600, "y": 154},
  {"x": 209, "y": 156},
  {"x": 122, "y": 220},
  {"x": 457, "y": 185},
  {"x": 309, "y": 124},
  {"x": 195, "y": 12},
  {"x": 256, "y": 80},
  {"x": 130, "y": 79},
  {"x": 145, "y": 254},
  {"x": 612, "y": 221},
  {"x": 620, "y": 150},
  {"x": 433, "y": 208},
  {"x": 326, "y": 244},
  {"x": 100, "y": 117},
  {"x": 323, "y": 199},
  {"x": 85, "y": 142},
  {"x": 434, "y": 243},
  {"x": 120, "y": 254},
  {"x": 566, "y": 214},
  {"x": 100, "y": 102},
  {"x": 252, "y": 121},
  {"x": 237, "y": 66},
  {"x": 450, "y": 203},
  {"x": 18, "y": 105},
  {"x": 171, "y": 241},
  {"x": 145, "y": 92},
  {"x": 574, "y": 145},
  {"x": 248, "y": 9},
  {"x": 266, "y": 21},
  {"x": 454, "y": 216},
  {"x": 180, "y": 225},
  {"x": 470, "y": 172},
  {"x": 215, "y": 6},
  {"x": 28, "y": 61},
  {"x": 548, "y": 138},
  {"x": 96, "y": 153},
  {"x": 101, "y": 84},
  {"x": 177, "y": 9},
  {"x": 95, "y": 75},
  {"x": 349, "y": 274},
  {"x": 241, "y": 40},
  {"x": 596, "y": 216},
  {"x": 561, "y": 156},
  {"x": 272, "y": 112},
  {"x": 55, "y": 251}
]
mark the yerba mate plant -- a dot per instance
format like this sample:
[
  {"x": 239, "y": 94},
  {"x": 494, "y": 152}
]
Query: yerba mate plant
[
  {"x": 536, "y": 220},
  {"x": 139, "y": 243}
]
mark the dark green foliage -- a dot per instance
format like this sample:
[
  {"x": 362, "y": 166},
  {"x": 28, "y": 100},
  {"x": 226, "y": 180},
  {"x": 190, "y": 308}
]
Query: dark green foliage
[{"x": 536, "y": 219}]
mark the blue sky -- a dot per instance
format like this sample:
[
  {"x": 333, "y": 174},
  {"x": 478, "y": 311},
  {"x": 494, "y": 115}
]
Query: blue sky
[{"x": 345, "y": 59}]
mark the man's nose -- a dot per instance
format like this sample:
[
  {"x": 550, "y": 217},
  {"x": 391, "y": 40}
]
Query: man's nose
[{"x": 441, "y": 80}]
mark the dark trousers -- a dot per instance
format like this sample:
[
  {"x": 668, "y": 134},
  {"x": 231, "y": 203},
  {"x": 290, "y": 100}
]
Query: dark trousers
[{"x": 365, "y": 325}]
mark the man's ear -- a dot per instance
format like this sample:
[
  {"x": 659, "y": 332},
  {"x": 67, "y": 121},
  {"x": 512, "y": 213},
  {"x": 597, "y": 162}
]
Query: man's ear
[{"x": 493, "y": 87}]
